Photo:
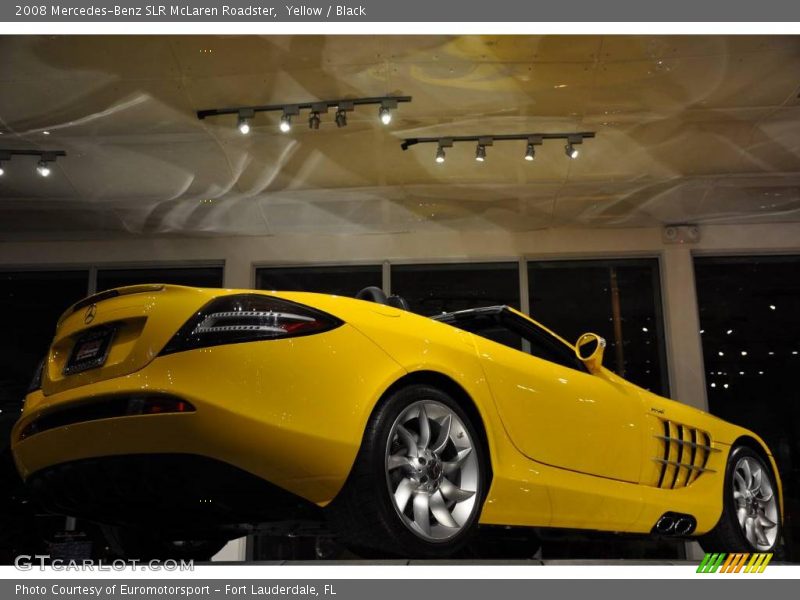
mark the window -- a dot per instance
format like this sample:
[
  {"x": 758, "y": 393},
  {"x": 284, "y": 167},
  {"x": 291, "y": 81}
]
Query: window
[
  {"x": 618, "y": 299},
  {"x": 340, "y": 280},
  {"x": 750, "y": 329},
  {"x": 434, "y": 289},
  {"x": 32, "y": 302},
  {"x": 210, "y": 276},
  {"x": 504, "y": 327}
]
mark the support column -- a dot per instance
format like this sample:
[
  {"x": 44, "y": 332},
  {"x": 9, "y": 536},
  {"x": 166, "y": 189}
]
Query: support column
[
  {"x": 682, "y": 327},
  {"x": 238, "y": 272}
]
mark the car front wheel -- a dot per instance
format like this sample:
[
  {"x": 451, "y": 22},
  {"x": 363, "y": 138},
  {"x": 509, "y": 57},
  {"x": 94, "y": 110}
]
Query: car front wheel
[{"x": 751, "y": 520}]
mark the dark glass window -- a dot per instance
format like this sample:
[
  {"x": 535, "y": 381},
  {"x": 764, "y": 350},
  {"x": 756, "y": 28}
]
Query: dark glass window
[
  {"x": 340, "y": 280},
  {"x": 750, "y": 328},
  {"x": 515, "y": 332},
  {"x": 617, "y": 299},
  {"x": 434, "y": 289},
  {"x": 31, "y": 303},
  {"x": 191, "y": 276}
]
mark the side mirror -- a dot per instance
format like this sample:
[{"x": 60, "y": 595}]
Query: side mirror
[{"x": 589, "y": 349}]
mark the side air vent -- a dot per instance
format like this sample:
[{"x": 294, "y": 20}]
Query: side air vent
[{"x": 684, "y": 455}]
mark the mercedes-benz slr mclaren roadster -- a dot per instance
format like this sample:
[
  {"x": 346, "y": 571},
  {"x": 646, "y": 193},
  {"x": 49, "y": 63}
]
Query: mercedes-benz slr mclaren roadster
[{"x": 196, "y": 414}]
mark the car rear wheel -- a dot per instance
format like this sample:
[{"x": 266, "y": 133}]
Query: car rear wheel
[
  {"x": 750, "y": 520},
  {"x": 419, "y": 480}
]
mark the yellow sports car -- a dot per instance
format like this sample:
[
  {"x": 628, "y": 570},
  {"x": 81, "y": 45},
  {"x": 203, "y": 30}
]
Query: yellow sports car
[{"x": 196, "y": 413}]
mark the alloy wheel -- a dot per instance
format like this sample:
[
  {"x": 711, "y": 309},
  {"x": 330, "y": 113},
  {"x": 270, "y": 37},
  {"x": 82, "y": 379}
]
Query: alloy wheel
[
  {"x": 432, "y": 470},
  {"x": 755, "y": 502}
]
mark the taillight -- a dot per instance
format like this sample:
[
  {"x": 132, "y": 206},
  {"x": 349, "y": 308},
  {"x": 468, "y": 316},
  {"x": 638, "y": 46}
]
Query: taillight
[{"x": 248, "y": 318}]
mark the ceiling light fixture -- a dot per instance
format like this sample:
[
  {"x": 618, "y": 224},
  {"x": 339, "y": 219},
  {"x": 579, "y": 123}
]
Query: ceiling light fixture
[
  {"x": 43, "y": 167},
  {"x": 440, "y": 154},
  {"x": 387, "y": 104},
  {"x": 530, "y": 152},
  {"x": 286, "y": 123},
  {"x": 243, "y": 122},
  {"x": 532, "y": 140},
  {"x": 385, "y": 111},
  {"x": 571, "y": 150},
  {"x": 530, "y": 149},
  {"x": 480, "y": 150}
]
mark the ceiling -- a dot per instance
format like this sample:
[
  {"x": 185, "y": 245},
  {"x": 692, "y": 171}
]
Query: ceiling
[{"x": 701, "y": 129}]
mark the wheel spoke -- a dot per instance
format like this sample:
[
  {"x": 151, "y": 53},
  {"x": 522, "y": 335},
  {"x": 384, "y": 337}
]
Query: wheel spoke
[
  {"x": 424, "y": 428},
  {"x": 760, "y": 536},
  {"x": 454, "y": 493},
  {"x": 755, "y": 485},
  {"x": 749, "y": 532},
  {"x": 397, "y": 461},
  {"x": 748, "y": 474},
  {"x": 439, "y": 510},
  {"x": 408, "y": 440},
  {"x": 765, "y": 523},
  {"x": 766, "y": 498},
  {"x": 444, "y": 435},
  {"x": 741, "y": 514},
  {"x": 421, "y": 513},
  {"x": 454, "y": 465},
  {"x": 403, "y": 493},
  {"x": 739, "y": 481}
]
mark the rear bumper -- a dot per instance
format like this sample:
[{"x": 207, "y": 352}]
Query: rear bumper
[{"x": 290, "y": 412}]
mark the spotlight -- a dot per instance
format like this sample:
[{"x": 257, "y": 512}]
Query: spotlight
[
  {"x": 2, "y": 170},
  {"x": 243, "y": 122},
  {"x": 571, "y": 150},
  {"x": 385, "y": 115},
  {"x": 313, "y": 120},
  {"x": 530, "y": 152},
  {"x": 440, "y": 155},
  {"x": 43, "y": 168},
  {"x": 286, "y": 123},
  {"x": 341, "y": 118},
  {"x": 480, "y": 153}
]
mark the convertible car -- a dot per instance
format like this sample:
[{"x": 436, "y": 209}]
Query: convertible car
[{"x": 196, "y": 414}]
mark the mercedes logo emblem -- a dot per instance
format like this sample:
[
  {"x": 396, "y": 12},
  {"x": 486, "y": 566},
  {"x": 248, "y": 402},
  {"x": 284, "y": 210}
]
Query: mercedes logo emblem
[{"x": 88, "y": 317}]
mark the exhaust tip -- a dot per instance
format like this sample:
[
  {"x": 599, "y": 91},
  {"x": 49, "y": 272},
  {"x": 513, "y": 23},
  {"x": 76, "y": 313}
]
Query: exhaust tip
[{"x": 675, "y": 524}]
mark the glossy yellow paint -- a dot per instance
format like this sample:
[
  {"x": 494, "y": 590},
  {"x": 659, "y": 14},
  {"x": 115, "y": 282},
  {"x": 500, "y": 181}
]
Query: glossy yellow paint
[{"x": 567, "y": 448}]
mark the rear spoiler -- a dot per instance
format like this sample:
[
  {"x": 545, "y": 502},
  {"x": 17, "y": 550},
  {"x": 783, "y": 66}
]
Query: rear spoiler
[{"x": 123, "y": 291}]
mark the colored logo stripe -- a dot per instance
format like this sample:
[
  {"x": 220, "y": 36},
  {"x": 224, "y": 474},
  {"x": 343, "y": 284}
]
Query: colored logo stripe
[{"x": 734, "y": 563}]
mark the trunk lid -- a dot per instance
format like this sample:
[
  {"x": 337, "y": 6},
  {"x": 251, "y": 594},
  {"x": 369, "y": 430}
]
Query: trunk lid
[{"x": 127, "y": 327}]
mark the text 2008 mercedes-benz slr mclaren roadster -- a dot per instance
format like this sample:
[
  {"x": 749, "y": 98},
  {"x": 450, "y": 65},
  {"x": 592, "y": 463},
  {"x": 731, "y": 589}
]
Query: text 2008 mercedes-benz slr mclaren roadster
[{"x": 195, "y": 413}]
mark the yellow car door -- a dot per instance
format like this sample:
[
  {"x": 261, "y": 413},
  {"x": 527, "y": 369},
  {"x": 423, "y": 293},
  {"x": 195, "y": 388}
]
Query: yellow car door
[{"x": 554, "y": 410}]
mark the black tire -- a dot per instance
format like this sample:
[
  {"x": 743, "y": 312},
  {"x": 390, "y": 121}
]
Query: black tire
[
  {"x": 364, "y": 516},
  {"x": 727, "y": 535}
]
